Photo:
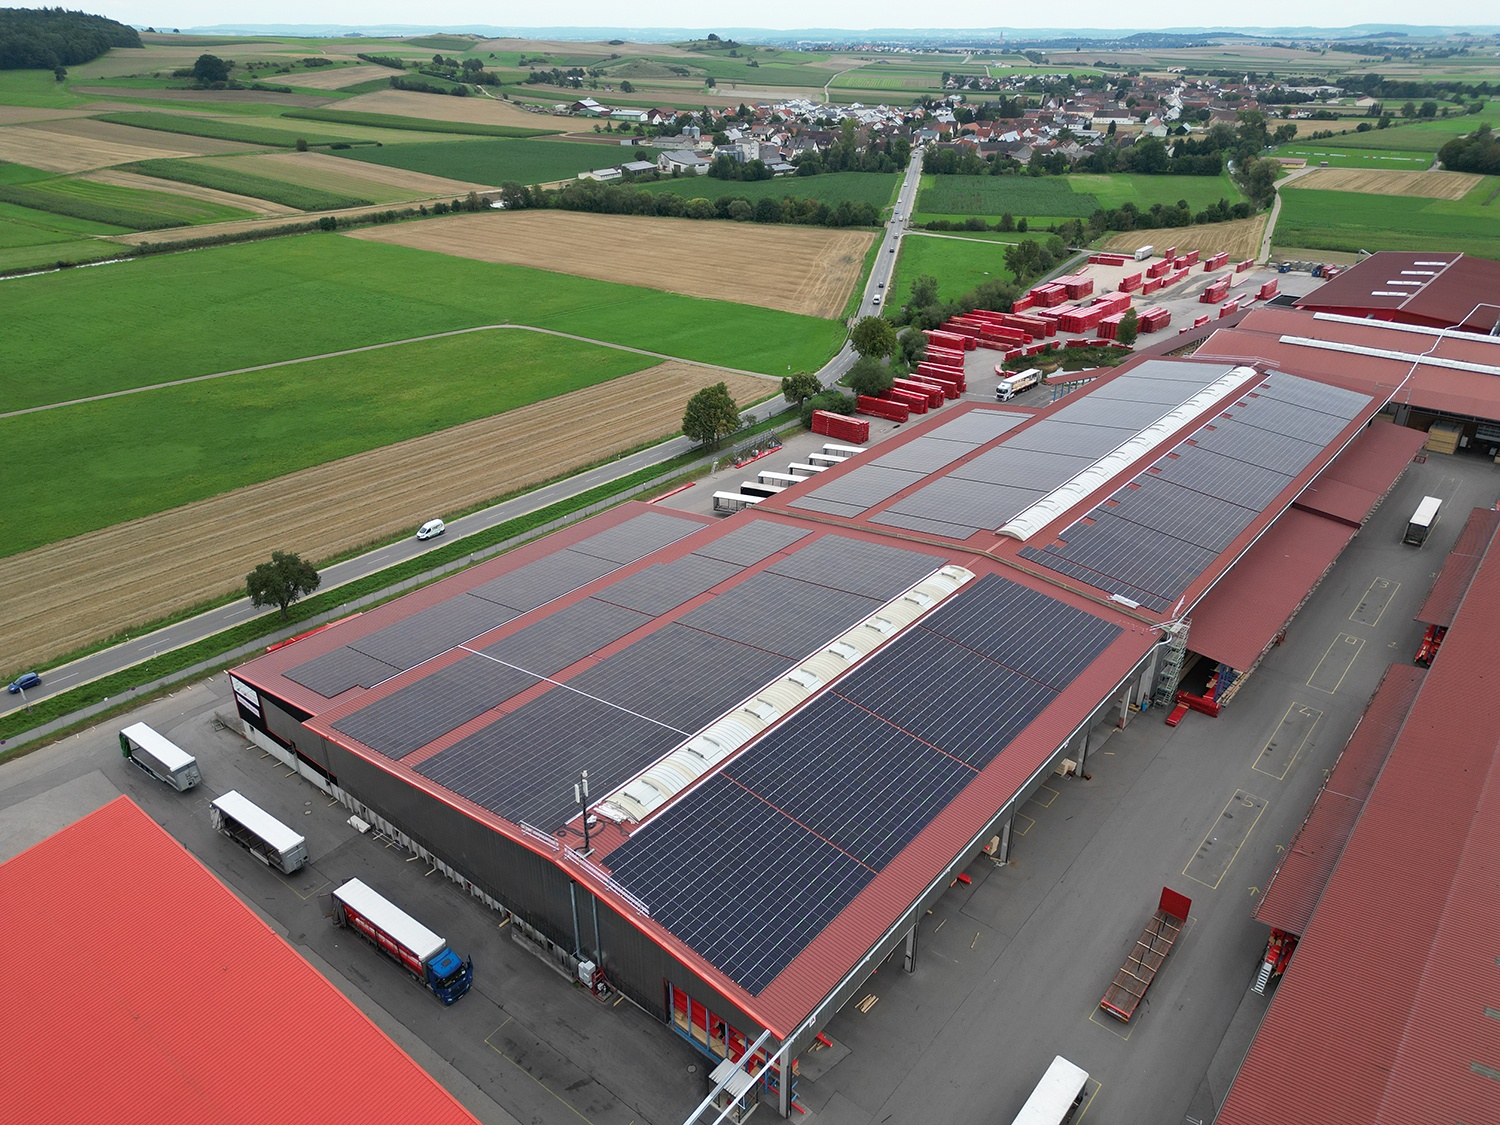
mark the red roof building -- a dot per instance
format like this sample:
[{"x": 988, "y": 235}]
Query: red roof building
[
  {"x": 160, "y": 997},
  {"x": 1438, "y": 290}
]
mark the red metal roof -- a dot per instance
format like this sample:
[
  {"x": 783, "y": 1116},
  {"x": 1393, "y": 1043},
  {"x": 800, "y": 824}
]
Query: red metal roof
[
  {"x": 1454, "y": 579},
  {"x": 1237, "y": 620},
  {"x": 1309, "y": 859},
  {"x": 1383, "y": 1016},
  {"x": 150, "y": 994},
  {"x": 1438, "y": 289},
  {"x": 1363, "y": 474}
]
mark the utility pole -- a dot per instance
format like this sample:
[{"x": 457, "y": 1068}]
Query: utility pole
[{"x": 581, "y": 799}]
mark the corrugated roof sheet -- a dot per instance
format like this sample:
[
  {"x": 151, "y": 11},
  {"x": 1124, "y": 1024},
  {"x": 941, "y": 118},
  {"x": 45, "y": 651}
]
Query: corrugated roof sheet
[
  {"x": 1454, "y": 579},
  {"x": 162, "y": 998},
  {"x": 1309, "y": 859},
  {"x": 1445, "y": 294},
  {"x": 1238, "y": 618},
  {"x": 1362, "y": 475},
  {"x": 1383, "y": 1016}
]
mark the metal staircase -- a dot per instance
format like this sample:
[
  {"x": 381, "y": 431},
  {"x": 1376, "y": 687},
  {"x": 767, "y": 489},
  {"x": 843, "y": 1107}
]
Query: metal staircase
[{"x": 1170, "y": 676}]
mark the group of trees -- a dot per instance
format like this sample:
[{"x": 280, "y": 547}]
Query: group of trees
[
  {"x": 1478, "y": 152},
  {"x": 49, "y": 38},
  {"x": 625, "y": 199}
]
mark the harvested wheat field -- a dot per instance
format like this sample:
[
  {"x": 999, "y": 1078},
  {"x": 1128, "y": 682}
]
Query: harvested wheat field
[
  {"x": 335, "y": 78},
  {"x": 55, "y": 150},
  {"x": 1240, "y": 238},
  {"x": 1424, "y": 185},
  {"x": 108, "y": 581},
  {"x": 192, "y": 191},
  {"x": 471, "y": 111},
  {"x": 808, "y": 270},
  {"x": 319, "y": 170},
  {"x": 22, "y": 114}
]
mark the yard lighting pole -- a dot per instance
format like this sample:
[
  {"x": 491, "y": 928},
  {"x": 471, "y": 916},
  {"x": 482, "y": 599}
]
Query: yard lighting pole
[{"x": 581, "y": 799}]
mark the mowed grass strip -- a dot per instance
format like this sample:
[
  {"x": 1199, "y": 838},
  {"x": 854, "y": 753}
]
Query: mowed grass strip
[
  {"x": 958, "y": 264},
  {"x": 89, "y": 466},
  {"x": 420, "y": 124},
  {"x": 494, "y": 161},
  {"x": 1353, "y": 221},
  {"x": 117, "y": 206},
  {"x": 220, "y": 130},
  {"x": 232, "y": 180},
  {"x": 236, "y": 306},
  {"x": 875, "y": 188}
]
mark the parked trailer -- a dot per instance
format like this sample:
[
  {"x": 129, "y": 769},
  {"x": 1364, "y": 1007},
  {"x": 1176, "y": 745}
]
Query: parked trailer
[
  {"x": 405, "y": 940},
  {"x": 159, "y": 756},
  {"x": 804, "y": 470},
  {"x": 778, "y": 480},
  {"x": 844, "y": 450},
  {"x": 258, "y": 832},
  {"x": 1422, "y": 521},
  {"x": 1145, "y": 959},
  {"x": 827, "y": 460},
  {"x": 1057, "y": 1096},
  {"x": 734, "y": 501},
  {"x": 755, "y": 488},
  {"x": 1143, "y": 252}
]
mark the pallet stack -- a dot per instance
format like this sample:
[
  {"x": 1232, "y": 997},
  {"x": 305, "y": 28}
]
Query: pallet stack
[{"x": 1442, "y": 437}]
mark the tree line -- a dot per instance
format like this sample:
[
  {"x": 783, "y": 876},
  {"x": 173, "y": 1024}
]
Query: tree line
[
  {"x": 625, "y": 199},
  {"x": 1478, "y": 152},
  {"x": 48, "y": 38}
]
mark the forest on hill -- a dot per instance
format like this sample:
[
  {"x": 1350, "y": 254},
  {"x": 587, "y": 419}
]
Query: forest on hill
[{"x": 47, "y": 38}]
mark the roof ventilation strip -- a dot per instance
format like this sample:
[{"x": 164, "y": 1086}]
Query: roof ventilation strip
[{"x": 649, "y": 790}]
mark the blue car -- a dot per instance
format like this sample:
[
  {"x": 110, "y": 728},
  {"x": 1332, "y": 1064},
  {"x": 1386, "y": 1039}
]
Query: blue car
[{"x": 29, "y": 680}]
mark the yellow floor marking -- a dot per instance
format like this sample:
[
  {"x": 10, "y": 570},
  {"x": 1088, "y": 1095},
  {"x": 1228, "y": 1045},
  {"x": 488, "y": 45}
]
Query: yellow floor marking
[
  {"x": 1223, "y": 841},
  {"x": 1335, "y": 664},
  {"x": 1374, "y": 603},
  {"x": 1295, "y": 729},
  {"x": 1047, "y": 804},
  {"x": 1093, "y": 1086},
  {"x": 528, "y": 1073},
  {"x": 1022, "y": 831},
  {"x": 1112, "y": 1025}
]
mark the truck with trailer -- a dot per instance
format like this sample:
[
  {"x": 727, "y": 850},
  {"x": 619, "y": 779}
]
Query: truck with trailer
[
  {"x": 1012, "y": 385},
  {"x": 258, "y": 832},
  {"x": 1057, "y": 1097},
  {"x": 160, "y": 757},
  {"x": 403, "y": 939},
  {"x": 1422, "y": 521},
  {"x": 1147, "y": 956}
]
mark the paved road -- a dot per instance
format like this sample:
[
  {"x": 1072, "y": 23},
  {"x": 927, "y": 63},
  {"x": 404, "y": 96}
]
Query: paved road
[
  {"x": 138, "y": 649},
  {"x": 1265, "y": 238}
]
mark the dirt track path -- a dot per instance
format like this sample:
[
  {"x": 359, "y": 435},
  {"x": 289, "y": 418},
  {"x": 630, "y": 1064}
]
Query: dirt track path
[
  {"x": 100, "y": 584},
  {"x": 374, "y": 348}
]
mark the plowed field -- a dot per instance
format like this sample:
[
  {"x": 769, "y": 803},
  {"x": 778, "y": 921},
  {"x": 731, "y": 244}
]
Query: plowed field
[
  {"x": 105, "y": 582},
  {"x": 807, "y": 270},
  {"x": 471, "y": 111},
  {"x": 1424, "y": 185}
]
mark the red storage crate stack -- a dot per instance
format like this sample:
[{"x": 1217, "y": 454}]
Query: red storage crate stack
[
  {"x": 1169, "y": 253},
  {"x": 1159, "y": 269},
  {"x": 915, "y": 403},
  {"x": 932, "y": 396},
  {"x": 1131, "y": 283},
  {"x": 1076, "y": 286},
  {"x": 1191, "y": 258},
  {"x": 1109, "y": 327},
  {"x": 945, "y": 388},
  {"x": 1232, "y": 306},
  {"x": 1154, "y": 319},
  {"x": 1217, "y": 262},
  {"x": 882, "y": 408},
  {"x": 1241, "y": 267},
  {"x": 1199, "y": 322},
  {"x": 1215, "y": 292},
  {"x": 1151, "y": 286},
  {"x": 1023, "y": 302},
  {"x": 841, "y": 426},
  {"x": 1268, "y": 290}
]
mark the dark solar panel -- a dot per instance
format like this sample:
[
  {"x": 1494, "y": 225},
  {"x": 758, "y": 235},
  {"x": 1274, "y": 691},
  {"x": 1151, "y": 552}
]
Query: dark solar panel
[
  {"x": 978, "y": 426},
  {"x": 637, "y": 537},
  {"x": 752, "y": 542},
  {"x": 340, "y": 670},
  {"x": 1024, "y": 629},
  {"x": 420, "y": 712},
  {"x": 780, "y": 614},
  {"x": 864, "y": 486},
  {"x": 1135, "y": 413},
  {"x": 435, "y": 629},
  {"x": 1099, "y": 581},
  {"x": 924, "y": 454},
  {"x": 1290, "y": 419},
  {"x": 523, "y": 765},
  {"x": 965, "y": 503},
  {"x": 739, "y": 882},
  {"x": 1159, "y": 505},
  {"x": 861, "y": 567},
  {"x": 829, "y": 507},
  {"x": 1214, "y": 474},
  {"x": 1258, "y": 447},
  {"x": 851, "y": 778},
  {"x": 1056, "y": 435},
  {"x": 1321, "y": 397},
  {"x": 923, "y": 524},
  {"x": 1147, "y": 560},
  {"x": 544, "y": 580},
  {"x": 680, "y": 677},
  {"x": 946, "y": 695},
  {"x": 665, "y": 586},
  {"x": 1031, "y": 468},
  {"x": 547, "y": 646}
]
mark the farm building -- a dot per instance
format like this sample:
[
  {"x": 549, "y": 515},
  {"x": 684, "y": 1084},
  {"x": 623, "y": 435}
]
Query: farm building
[
  {"x": 174, "y": 993},
  {"x": 799, "y": 723},
  {"x": 1432, "y": 289}
]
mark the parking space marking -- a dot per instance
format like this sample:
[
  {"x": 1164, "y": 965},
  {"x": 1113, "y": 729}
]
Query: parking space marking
[
  {"x": 1093, "y": 1086},
  {"x": 1223, "y": 841},
  {"x": 1291, "y": 735},
  {"x": 1374, "y": 603},
  {"x": 1112, "y": 1025},
  {"x": 528, "y": 1073},
  {"x": 1335, "y": 664},
  {"x": 1022, "y": 831},
  {"x": 1053, "y": 795}
]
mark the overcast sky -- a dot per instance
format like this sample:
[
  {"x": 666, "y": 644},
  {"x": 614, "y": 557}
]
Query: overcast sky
[{"x": 781, "y": 14}]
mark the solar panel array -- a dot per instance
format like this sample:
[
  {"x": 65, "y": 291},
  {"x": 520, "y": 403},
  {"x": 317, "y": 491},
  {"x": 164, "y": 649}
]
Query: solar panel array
[
  {"x": 999, "y": 484},
  {"x": 616, "y": 716},
  {"x": 873, "y": 482},
  {"x": 405, "y": 644},
  {"x": 751, "y": 865},
  {"x": 1150, "y": 540}
]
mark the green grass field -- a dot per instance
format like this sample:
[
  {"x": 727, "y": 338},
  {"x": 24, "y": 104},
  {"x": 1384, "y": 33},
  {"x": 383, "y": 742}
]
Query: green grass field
[
  {"x": 1054, "y": 197},
  {"x": 223, "y": 177},
  {"x": 959, "y": 264},
  {"x": 1350, "y": 221},
  {"x": 132, "y": 208},
  {"x": 80, "y": 468},
  {"x": 876, "y": 188},
  {"x": 1420, "y": 136},
  {"x": 236, "y": 306},
  {"x": 418, "y": 124},
  {"x": 26, "y": 226},
  {"x": 494, "y": 161},
  {"x": 1324, "y": 152},
  {"x": 222, "y": 130}
]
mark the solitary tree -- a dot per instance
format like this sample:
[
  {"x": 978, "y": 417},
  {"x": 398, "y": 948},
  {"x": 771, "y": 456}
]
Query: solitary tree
[
  {"x": 711, "y": 415},
  {"x": 626, "y": 87},
  {"x": 1126, "y": 332},
  {"x": 868, "y": 376},
  {"x": 873, "y": 337},
  {"x": 798, "y": 388},
  {"x": 211, "y": 68},
  {"x": 280, "y": 582}
]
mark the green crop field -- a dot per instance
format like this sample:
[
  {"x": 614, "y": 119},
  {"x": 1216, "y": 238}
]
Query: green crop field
[
  {"x": 994, "y": 195},
  {"x": 80, "y": 468},
  {"x": 1420, "y": 136},
  {"x": 418, "y": 124},
  {"x": 1198, "y": 191},
  {"x": 493, "y": 161},
  {"x": 133, "y": 208},
  {"x": 222, "y": 177},
  {"x": 959, "y": 264},
  {"x": 1351, "y": 221},
  {"x": 1323, "y": 152},
  {"x": 222, "y": 130},
  {"x": 875, "y": 188},
  {"x": 26, "y": 226},
  {"x": 236, "y": 306}
]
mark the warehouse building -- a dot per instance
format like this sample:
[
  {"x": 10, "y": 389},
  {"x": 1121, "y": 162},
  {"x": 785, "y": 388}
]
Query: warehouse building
[
  {"x": 800, "y": 723},
  {"x": 1427, "y": 289}
]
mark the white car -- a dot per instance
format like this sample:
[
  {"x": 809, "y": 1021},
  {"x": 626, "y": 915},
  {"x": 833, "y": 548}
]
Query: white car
[{"x": 431, "y": 529}]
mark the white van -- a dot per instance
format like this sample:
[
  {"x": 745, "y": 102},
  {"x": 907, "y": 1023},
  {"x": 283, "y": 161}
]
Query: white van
[{"x": 431, "y": 529}]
